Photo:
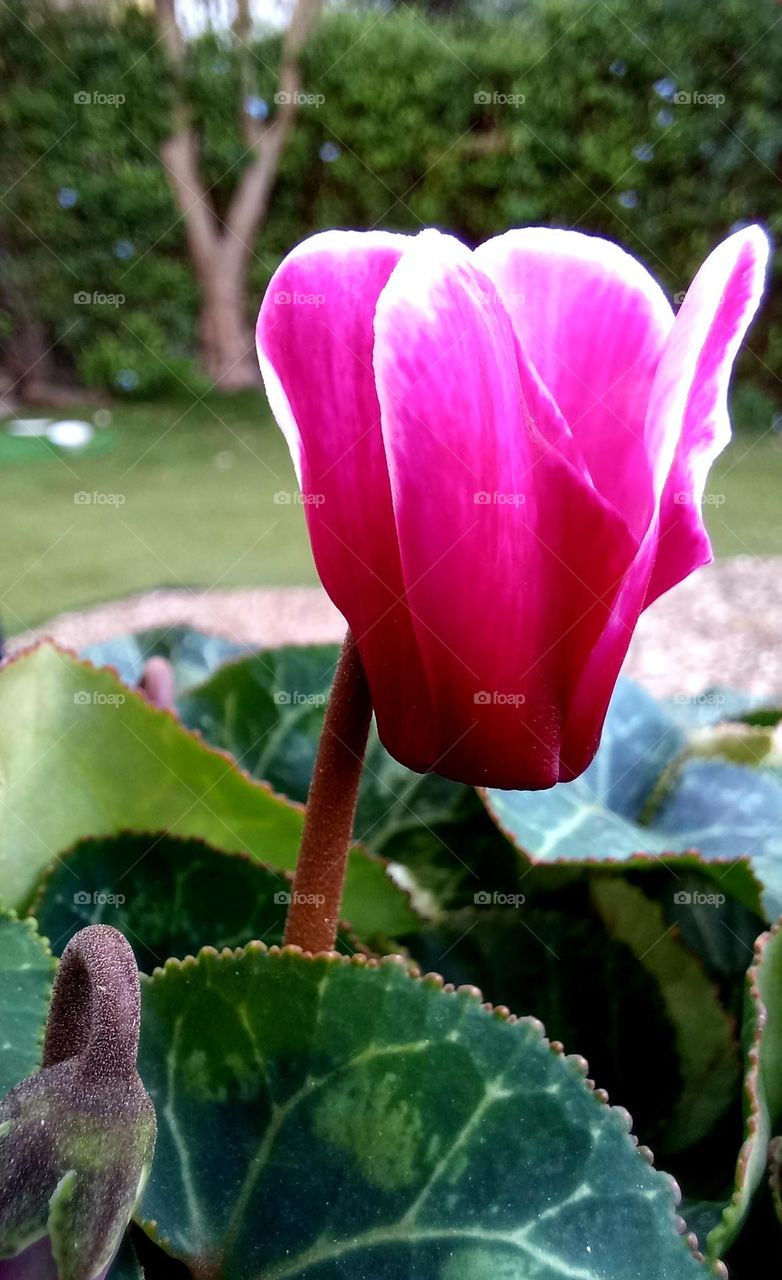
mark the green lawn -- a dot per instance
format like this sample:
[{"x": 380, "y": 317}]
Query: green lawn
[
  {"x": 745, "y": 512},
  {"x": 197, "y": 486}
]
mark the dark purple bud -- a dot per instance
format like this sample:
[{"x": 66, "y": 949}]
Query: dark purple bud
[{"x": 77, "y": 1138}]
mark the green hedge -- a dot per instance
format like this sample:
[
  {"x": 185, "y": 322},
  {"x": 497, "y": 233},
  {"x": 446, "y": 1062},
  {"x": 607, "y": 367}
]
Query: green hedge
[{"x": 418, "y": 120}]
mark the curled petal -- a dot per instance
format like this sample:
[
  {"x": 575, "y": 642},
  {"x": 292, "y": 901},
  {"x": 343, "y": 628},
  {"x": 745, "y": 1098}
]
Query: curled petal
[
  {"x": 690, "y": 396},
  {"x": 687, "y": 421},
  {"x": 593, "y": 322}
]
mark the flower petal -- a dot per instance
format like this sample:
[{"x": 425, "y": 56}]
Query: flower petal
[
  {"x": 687, "y": 421},
  {"x": 315, "y": 340},
  {"x": 511, "y": 559},
  {"x": 593, "y": 321},
  {"x": 690, "y": 395}
]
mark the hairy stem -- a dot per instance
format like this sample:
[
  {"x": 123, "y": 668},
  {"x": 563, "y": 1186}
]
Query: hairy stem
[{"x": 331, "y": 805}]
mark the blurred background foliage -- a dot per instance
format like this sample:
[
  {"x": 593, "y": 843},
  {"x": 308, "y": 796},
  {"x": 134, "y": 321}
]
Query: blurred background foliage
[
  {"x": 421, "y": 121},
  {"x": 657, "y": 125}
]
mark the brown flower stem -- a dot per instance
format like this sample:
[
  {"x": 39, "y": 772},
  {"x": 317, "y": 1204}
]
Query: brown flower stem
[{"x": 331, "y": 805}]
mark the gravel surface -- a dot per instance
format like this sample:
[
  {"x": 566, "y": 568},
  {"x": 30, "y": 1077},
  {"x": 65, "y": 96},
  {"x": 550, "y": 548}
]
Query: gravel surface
[{"x": 723, "y": 626}]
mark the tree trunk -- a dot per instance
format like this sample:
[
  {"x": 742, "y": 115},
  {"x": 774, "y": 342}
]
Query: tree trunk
[
  {"x": 226, "y": 342},
  {"x": 226, "y": 337},
  {"x": 220, "y": 249}
]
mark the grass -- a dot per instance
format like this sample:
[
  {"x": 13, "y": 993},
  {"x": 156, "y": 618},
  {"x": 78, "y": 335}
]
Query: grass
[
  {"x": 197, "y": 485},
  {"x": 196, "y": 488},
  {"x": 745, "y": 515}
]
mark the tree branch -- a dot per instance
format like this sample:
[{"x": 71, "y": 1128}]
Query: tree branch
[
  {"x": 220, "y": 249},
  {"x": 248, "y": 209}
]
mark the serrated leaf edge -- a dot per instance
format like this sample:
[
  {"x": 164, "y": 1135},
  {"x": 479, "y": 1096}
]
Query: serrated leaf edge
[
  {"x": 132, "y": 694},
  {"x": 27, "y": 922},
  {"x": 577, "y": 1064},
  {"x": 640, "y": 861},
  {"x": 751, "y": 1091},
  {"x": 41, "y": 645}
]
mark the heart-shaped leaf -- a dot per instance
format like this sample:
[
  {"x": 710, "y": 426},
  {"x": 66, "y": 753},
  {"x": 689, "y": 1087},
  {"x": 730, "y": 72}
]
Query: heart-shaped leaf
[
  {"x": 645, "y": 794},
  {"x": 26, "y": 972},
  {"x": 169, "y": 897},
  {"x": 107, "y": 761},
  {"x": 707, "y": 1052},
  {"x": 323, "y": 1117},
  {"x": 126, "y": 1265},
  {"x": 267, "y": 710},
  {"x": 762, "y": 1035},
  {"x": 193, "y": 654},
  {"x": 602, "y": 967},
  {"x": 725, "y": 810}
]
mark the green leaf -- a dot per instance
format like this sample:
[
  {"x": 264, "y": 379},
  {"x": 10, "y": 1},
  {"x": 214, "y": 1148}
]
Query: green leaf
[
  {"x": 267, "y": 710},
  {"x": 322, "y": 1118},
  {"x": 702, "y": 1215},
  {"x": 720, "y": 706},
  {"x": 26, "y": 972},
  {"x": 169, "y": 897},
  {"x": 599, "y": 964},
  {"x": 707, "y": 1052},
  {"x": 643, "y": 798},
  {"x": 126, "y": 1265},
  {"x": 728, "y": 809},
  {"x": 714, "y": 925},
  {"x": 85, "y": 756},
  {"x": 587, "y": 988},
  {"x": 192, "y": 654},
  {"x": 762, "y": 1038},
  {"x": 775, "y": 1175}
]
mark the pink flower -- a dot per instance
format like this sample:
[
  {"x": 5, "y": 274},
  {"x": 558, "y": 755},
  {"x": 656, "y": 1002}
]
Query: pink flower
[{"x": 502, "y": 456}]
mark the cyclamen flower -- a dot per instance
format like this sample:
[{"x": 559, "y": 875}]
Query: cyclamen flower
[{"x": 503, "y": 455}]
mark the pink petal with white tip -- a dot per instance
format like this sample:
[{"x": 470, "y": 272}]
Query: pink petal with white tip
[
  {"x": 690, "y": 395},
  {"x": 593, "y": 321},
  {"x": 315, "y": 340},
  {"x": 510, "y": 557}
]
